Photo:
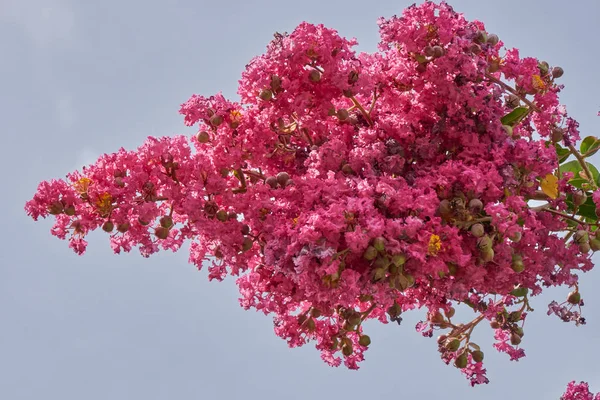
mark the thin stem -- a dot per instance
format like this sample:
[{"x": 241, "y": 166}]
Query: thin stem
[
  {"x": 513, "y": 91},
  {"x": 584, "y": 165},
  {"x": 362, "y": 110}
]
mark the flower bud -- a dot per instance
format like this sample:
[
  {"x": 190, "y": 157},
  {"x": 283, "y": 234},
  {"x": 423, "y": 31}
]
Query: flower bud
[
  {"x": 124, "y": 227},
  {"x": 275, "y": 83},
  {"x": 481, "y": 37},
  {"x": 370, "y": 254},
  {"x": 398, "y": 259},
  {"x": 161, "y": 232},
  {"x": 519, "y": 331},
  {"x": 477, "y": 230},
  {"x": 445, "y": 208},
  {"x": 487, "y": 255},
  {"x": 216, "y": 120},
  {"x": 461, "y": 361},
  {"x": 574, "y": 297},
  {"x": 108, "y": 226},
  {"x": 203, "y": 137},
  {"x": 222, "y": 215},
  {"x": 283, "y": 178},
  {"x": 519, "y": 292},
  {"x": 143, "y": 221},
  {"x": 595, "y": 244},
  {"x": 557, "y": 134},
  {"x": 379, "y": 244},
  {"x": 493, "y": 39},
  {"x": 266, "y": 95},
  {"x": 452, "y": 344},
  {"x": 166, "y": 222},
  {"x": 515, "y": 339},
  {"x": 515, "y": 316},
  {"x": 516, "y": 236},
  {"x": 247, "y": 244},
  {"x": 475, "y": 205},
  {"x": 584, "y": 247},
  {"x": 517, "y": 264},
  {"x": 314, "y": 76},
  {"x": 364, "y": 340},
  {"x": 579, "y": 197},
  {"x": 475, "y": 48},
  {"x": 450, "y": 312},
  {"x": 428, "y": 51},
  {"x": 342, "y": 114},
  {"x": 379, "y": 274},
  {"x": 557, "y": 72},
  {"x": 272, "y": 181},
  {"x": 347, "y": 350},
  {"x": 438, "y": 51},
  {"x": 543, "y": 67},
  {"x": 477, "y": 356},
  {"x": 56, "y": 208},
  {"x": 494, "y": 324},
  {"x": 70, "y": 210},
  {"x": 484, "y": 243},
  {"x": 581, "y": 236},
  {"x": 245, "y": 230}
]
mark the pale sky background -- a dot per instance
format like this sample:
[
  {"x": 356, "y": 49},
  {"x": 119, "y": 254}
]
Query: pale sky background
[{"x": 80, "y": 78}]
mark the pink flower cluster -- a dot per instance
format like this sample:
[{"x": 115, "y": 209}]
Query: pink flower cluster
[
  {"x": 347, "y": 187},
  {"x": 579, "y": 391}
]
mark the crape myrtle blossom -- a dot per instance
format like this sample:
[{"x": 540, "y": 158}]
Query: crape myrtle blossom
[{"x": 345, "y": 187}]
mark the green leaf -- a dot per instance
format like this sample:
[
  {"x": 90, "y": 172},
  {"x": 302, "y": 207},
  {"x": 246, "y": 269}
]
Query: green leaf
[
  {"x": 562, "y": 153},
  {"x": 589, "y": 146},
  {"x": 578, "y": 180},
  {"x": 515, "y": 116}
]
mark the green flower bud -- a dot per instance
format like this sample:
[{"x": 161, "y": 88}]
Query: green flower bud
[
  {"x": 438, "y": 51},
  {"x": 398, "y": 259},
  {"x": 543, "y": 67},
  {"x": 342, "y": 114},
  {"x": 428, "y": 51},
  {"x": 382, "y": 262},
  {"x": 516, "y": 237},
  {"x": 379, "y": 274},
  {"x": 70, "y": 210},
  {"x": 517, "y": 264},
  {"x": 216, "y": 120},
  {"x": 574, "y": 297},
  {"x": 266, "y": 95},
  {"x": 493, "y": 39},
  {"x": 477, "y": 356},
  {"x": 124, "y": 227},
  {"x": 247, "y": 244},
  {"x": 379, "y": 244},
  {"x": 370, "y": 254},
  {"x": 579, "y": 197},
  {"x": 108, "y": 226},
  {"x": 487, "y": 255},
  {"x": 161, "y": 232},
  {"x": 461, "y": 361},
  {"x": 484, "y": 243},
  {"x": 452, "y": 344},
  {"x": 222, "y": 215},
  {"x": 595, "y": 244},
  {"x": 519, "y": 331},
  {"x": 314, "y": 76},
  {"x": 410, "y": 280},
  {"x": 494, "y": 324},
  {"x": 481, "y": 37},
  {"x": 347, "y": 350},
  {"x": 203, "y": 137},
  {"x": 581, "y": 236},
  {"x": 477, "y": 230},
  {"x": 166, "y": 222},
  {"x": 515, "y": 316},
  {"x": 245, "y": 230},
  {"x": 520, "y": 292},
  {"x": 364, "y": 340},
  {"x": 56, "y": 208},
  {"x": 143, "y": 222},
  {"x": 450, "y": 312},
  {"x": 584, "y": 247}
]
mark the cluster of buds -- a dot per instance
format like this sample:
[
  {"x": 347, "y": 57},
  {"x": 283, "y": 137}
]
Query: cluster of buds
[{"x": 387, "y": 267}]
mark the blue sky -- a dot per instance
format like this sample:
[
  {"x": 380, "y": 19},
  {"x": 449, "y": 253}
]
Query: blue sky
[{"x": 80, "y": 78}]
